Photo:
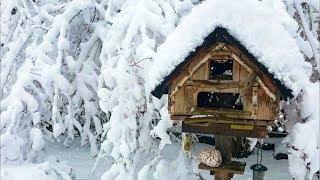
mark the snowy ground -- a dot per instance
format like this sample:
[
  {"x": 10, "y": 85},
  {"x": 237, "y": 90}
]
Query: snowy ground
[
  {"x": 278, "y": 169},
  {"x": 80, "y": 160}
]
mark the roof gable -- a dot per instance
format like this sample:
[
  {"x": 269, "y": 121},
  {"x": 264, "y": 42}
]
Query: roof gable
[{"x": 220, "y": 34}]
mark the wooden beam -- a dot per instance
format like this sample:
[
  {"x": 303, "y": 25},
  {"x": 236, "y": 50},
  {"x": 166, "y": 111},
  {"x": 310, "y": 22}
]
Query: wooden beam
[
  {"x": 222, "y": 113},
  {"x": 218, "y": 85},
  {"x": 225, "y": 120},
  {"x": 243, "y": 64},
  {"x": 255, "y": 99},
  {"x": 178, "y": 117},
  {"x": 225, "y": 129},
  {"x": 250, "y": 70},
  {"x": 234, "y": 167},
  {"x": 185, "y": 78},
  {"x": 261, "y": 75},
  {"x": 223, "y": 144},
  {"x": 218, "y": 47},
  {"x": 220, "y": 55},
  {"x": 267, "y": 90}
]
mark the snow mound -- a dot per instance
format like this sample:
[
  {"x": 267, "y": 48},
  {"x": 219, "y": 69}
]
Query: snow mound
[{"x": 262, "y": 27}]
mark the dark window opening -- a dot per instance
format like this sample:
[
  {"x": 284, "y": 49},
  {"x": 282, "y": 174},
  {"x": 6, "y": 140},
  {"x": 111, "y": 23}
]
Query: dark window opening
[
  {"x": 221, "y": 69},
  {"x": 219, "y": 100}
]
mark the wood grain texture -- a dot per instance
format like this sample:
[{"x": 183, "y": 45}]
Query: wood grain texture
[
  {"x": 225, "y": 129},
  {"x": 194, "y": 78}
]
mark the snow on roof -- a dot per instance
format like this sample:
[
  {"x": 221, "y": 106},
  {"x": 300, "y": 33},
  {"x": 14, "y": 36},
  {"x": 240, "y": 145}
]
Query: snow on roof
[{"x": 262, "y": 27}]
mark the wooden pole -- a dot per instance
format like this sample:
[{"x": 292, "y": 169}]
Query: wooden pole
[{"x": 223, "y": 144}]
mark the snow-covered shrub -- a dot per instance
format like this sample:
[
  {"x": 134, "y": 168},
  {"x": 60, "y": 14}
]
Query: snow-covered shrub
[
  {"x": 48, "y": 75},
  {"x": 136, "y": 29},
  {"x": 302, "y": 113},
  {"x": 57, "y": 57}
]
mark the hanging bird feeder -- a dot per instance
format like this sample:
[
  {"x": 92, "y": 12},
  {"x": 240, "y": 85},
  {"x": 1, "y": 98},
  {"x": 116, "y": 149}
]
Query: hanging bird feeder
[{"x": 259, "y": 169}]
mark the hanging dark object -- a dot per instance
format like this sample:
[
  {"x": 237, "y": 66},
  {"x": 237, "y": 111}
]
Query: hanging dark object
[{"x": 258, "y": 169}]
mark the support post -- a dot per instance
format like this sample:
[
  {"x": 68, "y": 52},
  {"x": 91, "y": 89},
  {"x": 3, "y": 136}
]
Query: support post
[{"x": 223, "y": 144}]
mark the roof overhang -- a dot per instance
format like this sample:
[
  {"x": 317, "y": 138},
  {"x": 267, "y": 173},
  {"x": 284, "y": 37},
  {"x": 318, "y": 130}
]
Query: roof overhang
[{"x": 219, "y": 35}]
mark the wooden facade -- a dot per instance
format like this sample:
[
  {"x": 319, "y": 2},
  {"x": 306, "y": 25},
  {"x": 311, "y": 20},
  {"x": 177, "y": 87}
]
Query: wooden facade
[
  {"x": 259, "y": 96},
  {"x": 240, "y": 100}
]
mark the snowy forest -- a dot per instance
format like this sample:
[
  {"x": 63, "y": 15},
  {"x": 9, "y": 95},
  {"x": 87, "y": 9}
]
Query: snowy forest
[{"x": 77, "y": 76}]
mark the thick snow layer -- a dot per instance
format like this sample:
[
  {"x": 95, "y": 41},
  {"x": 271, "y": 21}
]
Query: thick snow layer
[
  {"x": 262, "y": 27},
  {"x": 81, "y": 162},
  {"x": 29, "y": 171}
]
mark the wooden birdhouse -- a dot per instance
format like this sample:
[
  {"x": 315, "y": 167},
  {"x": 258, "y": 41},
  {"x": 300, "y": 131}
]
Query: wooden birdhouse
[
  {"x": 225, "y": 68},
  {"x": 222, "y": 89}
]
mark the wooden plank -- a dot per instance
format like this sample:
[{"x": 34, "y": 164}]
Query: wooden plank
[
  {"x": 224, "y": 120},
  {"x": 234, "y": 167},
  {"x": 223, "y": 113},
  {"x": 236, "y": 71},
  {"x": 183, "y": 99},
  {"x": 202, "y": 73},
  {"x": 266, "y": 80},
  {"x": 178, "y": 117},
  {"x": 217, "y": 46},
  {"x": 189, "y": 73},
  {"x": 216, "y": 84},
  {"x": 243, "y": 64},
  {"x": 242, "y": 127},
  {"x": 225, "y": 129},
  {"x": 178, "y": 101},
  {"x": 267, "y": 90},
  {"x": 220, "y": 55}
]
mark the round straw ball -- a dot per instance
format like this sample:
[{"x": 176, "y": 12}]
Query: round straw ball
[{"x": 210, "y": 157}]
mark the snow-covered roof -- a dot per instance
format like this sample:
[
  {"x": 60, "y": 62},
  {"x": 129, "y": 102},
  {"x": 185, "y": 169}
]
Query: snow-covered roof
[{"x": 261, "y": 27}]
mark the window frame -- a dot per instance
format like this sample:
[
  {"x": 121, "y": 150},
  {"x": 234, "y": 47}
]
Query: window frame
[
  {"x": 219, "y": 108},
  {"x": 222, "y": 59}
]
